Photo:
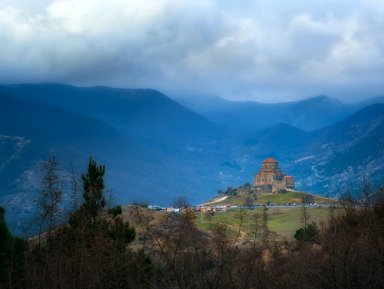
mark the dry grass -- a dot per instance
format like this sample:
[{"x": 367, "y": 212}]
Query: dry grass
[{"x": 284, "y": 221}]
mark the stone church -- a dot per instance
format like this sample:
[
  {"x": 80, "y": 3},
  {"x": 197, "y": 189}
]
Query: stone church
[{"x": 271, "y": 179}]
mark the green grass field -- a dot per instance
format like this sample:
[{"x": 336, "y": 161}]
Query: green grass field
[
  {"x": 284, "y": 221},
  {"x": 280, "y": 199}
]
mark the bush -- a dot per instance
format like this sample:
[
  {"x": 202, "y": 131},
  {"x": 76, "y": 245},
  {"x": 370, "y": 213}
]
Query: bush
[{"x": 307, "y": 234}]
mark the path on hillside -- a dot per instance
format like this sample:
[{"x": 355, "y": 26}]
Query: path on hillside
[{"x": 216, "y": 201}]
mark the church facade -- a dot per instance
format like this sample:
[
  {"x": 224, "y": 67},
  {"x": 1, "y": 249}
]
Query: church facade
[{"x": 270, "y": 178}]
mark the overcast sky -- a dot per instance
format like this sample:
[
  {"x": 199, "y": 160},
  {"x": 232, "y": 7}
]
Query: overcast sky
[{"x": 267, "y": 50}]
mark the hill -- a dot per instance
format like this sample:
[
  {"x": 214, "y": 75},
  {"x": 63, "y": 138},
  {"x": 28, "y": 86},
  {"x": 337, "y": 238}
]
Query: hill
[{"x": 274, "y": 199}]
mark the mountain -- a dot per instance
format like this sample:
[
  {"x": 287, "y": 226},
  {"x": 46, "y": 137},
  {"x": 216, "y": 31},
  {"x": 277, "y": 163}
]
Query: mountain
[
  {"x": 310, "y": 114},
  {"x": 124, "y": 108},
  {"x": 153, "y": 148},
  {"x": 329, "y": 160},
  {"x": 31, "y": 132},
  {"x": 145, "y": 116},
  {"x": 370, "y": 101},
  {"x": 156, "y": 149},
  {"x": 348, "y": 151}
]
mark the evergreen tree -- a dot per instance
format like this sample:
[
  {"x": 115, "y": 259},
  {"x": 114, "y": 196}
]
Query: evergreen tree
[
  {"x": 93, "y": 183},
  {"x": 11, "y": 254}
]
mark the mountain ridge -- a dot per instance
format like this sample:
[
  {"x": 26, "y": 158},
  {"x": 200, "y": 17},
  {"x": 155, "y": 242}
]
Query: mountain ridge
[{"x": 308, "y": 114}]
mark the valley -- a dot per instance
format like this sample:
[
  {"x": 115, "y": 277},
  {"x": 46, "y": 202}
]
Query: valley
[{"x": 156, "y": 149}]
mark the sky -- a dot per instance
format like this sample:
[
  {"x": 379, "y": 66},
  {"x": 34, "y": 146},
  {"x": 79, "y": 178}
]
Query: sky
[{"x": 267, "y": 51}]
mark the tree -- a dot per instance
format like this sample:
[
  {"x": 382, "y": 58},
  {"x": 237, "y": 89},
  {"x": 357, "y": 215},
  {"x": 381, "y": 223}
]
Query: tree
[
  {"x": 93, "y": 184},
  {"x": 247, "y": 185},
  {"x": 143, "y": 204},
  {"x": 232, "y": 191},
  {"x": 308, "y": 199},
  {"x": 180, "y": 202},
  {"x": 11, "y": 254},
  {"x": 120, "y": 232},
  {"x": 50, "y": 197},
  {"x": 75, "y": 187},
  {"x": 248, "y": 202},
  {"x": 264, "y": 227},
  {"x": 89, "y": 252},
  {"x": 307, "y": 234}
]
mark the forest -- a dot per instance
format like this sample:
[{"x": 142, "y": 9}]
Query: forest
[{"x": 87, "y": 244}]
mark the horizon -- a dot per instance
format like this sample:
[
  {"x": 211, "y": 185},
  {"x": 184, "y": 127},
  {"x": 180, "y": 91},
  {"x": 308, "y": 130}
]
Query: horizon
[{"x": 201, "y": 96}]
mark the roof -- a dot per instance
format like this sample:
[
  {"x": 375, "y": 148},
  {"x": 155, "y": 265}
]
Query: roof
[
  {"x": 288, "y": 177},
  {"x": 265, "y": 170},
  {"x": 270, "y": 160}
]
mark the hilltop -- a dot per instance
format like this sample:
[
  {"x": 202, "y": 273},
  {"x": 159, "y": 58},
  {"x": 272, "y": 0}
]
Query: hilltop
[{"x": 276, "y": 199}]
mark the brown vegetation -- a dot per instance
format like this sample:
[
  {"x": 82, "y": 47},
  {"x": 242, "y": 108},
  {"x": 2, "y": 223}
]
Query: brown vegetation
[{"x": 93, "y": 250}]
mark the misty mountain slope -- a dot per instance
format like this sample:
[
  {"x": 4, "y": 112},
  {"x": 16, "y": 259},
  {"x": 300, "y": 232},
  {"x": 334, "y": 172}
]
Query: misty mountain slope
[
  {"x": 280, "y": 140},
  {"x": 149, "y": 118},
  {"x": 347, "y": 133},
  {"x": 220, "y": 111},
  {"x": 129, "y": 110},
  {"x": 310, "y": 114},
  {"x": 31, "y": 132},
  {"x": 370, "y": 101},
  {"x": 171, "y": 152},
  {"x": 145, "y": 116},
  {"x": 325, "y": 161},
  {"x": 341, "y": 154}
]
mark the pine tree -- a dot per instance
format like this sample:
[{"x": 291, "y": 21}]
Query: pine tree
[{"x": 93, "y": 183}]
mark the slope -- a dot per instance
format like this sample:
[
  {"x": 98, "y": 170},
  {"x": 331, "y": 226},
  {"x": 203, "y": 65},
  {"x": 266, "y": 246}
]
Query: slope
[
  {"x": 153, "y": 148},
  {"x": 31, "y": 132},
  {"x": 326, "y": 161}
]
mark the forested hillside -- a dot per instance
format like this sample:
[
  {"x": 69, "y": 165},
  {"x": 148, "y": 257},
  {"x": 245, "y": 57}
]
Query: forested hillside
[{"x": 89, "y": 245}]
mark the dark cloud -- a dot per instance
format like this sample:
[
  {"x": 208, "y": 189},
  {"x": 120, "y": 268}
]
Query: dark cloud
[{"x": 262, "y": 50}]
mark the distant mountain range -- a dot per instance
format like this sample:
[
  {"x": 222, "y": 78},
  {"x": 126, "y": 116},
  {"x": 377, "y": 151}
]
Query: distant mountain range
[
  {"x": 310, "y": 114},
  {"x": 156, "y": 149}
]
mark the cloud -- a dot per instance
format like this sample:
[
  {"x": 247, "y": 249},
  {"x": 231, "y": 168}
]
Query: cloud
[{"x": 264, "y": 50}]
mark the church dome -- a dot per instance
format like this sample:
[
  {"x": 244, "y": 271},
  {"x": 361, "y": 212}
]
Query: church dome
[{"x": 270, "y": 160}]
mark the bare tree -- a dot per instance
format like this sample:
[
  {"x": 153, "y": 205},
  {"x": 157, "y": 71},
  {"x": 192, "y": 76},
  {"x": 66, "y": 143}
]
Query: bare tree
[
  {"x": 181, "y": 202},
  {"x": 76, "y": 186},
  {"x": 50, "y": 198}
]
